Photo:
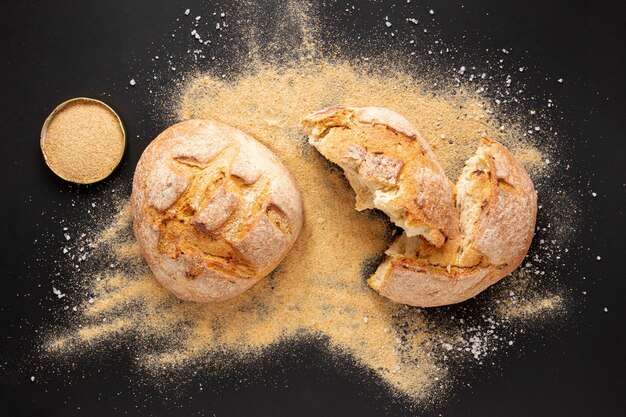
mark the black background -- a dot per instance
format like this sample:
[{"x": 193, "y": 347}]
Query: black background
[{"x": 55, "y": 50}]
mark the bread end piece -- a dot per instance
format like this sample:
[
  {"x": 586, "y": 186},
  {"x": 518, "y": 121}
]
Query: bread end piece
[
  {"x": 389, "y": 166},
  {"x": 497, "y": 203}
]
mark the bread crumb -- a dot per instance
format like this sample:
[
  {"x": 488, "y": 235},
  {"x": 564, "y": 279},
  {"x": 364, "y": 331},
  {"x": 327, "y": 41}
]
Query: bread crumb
[
  {"x": 83, "y": 141},
  {"x": 319, "y": 288},
  {"x": 319, "y": 292}
]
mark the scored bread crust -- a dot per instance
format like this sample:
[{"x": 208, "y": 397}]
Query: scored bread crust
[
  {"x": 214, "y": 210},
  {"x": 493, "y": 219}
]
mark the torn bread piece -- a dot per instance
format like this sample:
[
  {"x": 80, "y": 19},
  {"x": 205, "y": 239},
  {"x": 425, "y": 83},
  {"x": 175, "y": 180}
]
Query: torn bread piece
[
  {"x": 214, "y": 210},
  {"x": 457, "y": 241},
  {"x": 497, "y": 206},
  {"x": 389, "y": 166}
]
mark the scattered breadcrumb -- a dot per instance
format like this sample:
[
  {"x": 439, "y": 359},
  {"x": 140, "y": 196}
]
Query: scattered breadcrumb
[{"x": 319, "y": 292}]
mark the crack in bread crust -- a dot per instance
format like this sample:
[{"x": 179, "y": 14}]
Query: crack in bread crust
[
  {"x": 214, "y": 210},
  {"x": 457, "y": 240}
]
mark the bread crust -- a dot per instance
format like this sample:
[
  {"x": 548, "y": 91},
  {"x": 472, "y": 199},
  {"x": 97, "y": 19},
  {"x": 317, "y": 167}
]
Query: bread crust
[
  {"x": 490, "y": 224},
  {"x": 389, "y": 165},
  {"x": 214, "y": 210}
]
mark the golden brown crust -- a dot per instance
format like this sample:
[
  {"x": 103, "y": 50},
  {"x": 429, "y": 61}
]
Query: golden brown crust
[
  {"x": 498, "y": 207},
  {"x": 214, "y": 210},
  {"x": 389, "y": 166}
]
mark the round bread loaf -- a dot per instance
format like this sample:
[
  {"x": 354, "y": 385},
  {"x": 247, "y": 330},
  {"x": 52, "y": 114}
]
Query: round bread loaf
[
  {"x": 214, "y": 210},
  {"x": 453, "y": 247}
]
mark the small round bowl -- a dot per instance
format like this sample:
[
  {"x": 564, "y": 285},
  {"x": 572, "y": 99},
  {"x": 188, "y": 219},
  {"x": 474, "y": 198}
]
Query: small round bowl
[{"x": 58, "y": 109}]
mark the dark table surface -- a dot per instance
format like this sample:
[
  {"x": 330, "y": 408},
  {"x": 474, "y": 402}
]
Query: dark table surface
[{"x": 55, "y": 50}]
